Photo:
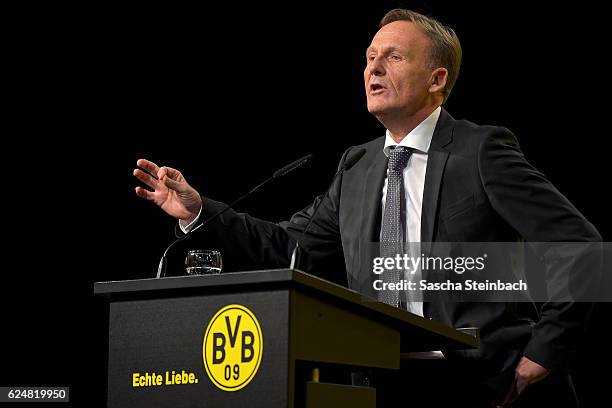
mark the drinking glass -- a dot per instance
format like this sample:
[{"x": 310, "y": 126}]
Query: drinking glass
[{"x": 203, "y": 262}]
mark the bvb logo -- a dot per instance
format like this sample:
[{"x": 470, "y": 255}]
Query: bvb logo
[{"x": 232, "y": 348}]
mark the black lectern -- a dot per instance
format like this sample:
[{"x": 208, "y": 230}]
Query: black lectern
[{"x": 253, "y": 339}]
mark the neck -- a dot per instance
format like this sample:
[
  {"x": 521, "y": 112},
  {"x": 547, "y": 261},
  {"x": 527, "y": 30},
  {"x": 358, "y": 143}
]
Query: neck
[{"x": 400, "y": 125}]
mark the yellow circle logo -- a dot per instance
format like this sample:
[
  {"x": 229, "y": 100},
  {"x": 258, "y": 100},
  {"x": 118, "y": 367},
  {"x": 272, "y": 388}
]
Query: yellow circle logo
[{"x": 232, "y": 349}]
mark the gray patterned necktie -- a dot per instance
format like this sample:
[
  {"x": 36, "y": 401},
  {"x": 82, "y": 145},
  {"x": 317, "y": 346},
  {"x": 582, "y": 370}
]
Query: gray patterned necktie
[{"x": 392, "y": 235}]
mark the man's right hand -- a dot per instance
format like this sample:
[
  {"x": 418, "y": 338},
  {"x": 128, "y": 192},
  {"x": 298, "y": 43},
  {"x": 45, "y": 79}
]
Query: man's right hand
[{"x": 171, "y": 192}]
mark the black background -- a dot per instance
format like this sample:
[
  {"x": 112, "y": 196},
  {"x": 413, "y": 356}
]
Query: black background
[{"x": 227, "y": 93}]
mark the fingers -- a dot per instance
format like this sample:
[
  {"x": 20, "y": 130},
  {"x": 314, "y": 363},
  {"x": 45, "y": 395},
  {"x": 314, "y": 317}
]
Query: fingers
[
  {"x": 146, "y": 178},
  {"x": 144, "y": 193},
  {"x": 521, "y": 384},
  {"x": 152, "y": 175},
  {"x": 173, "y": 179},
  {"x": 510, "y": 396},
  {"x": 175, "y": 185},
  {"x": 148, "y": 166},
  {"x": 174, "y": 174}
]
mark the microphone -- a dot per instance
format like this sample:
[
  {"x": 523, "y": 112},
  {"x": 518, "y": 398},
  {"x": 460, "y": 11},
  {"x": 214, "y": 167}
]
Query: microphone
[
  {"x": 161, "y": 269},
  {"x": 348, "y": 163},
  {"x": 292, "y": 166}
]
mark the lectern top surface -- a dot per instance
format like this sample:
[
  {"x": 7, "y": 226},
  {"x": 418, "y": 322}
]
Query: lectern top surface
[{"x": 278, "y": 279}]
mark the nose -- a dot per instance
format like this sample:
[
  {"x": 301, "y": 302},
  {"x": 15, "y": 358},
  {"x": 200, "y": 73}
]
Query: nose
[{"x": 375, "y": 66}]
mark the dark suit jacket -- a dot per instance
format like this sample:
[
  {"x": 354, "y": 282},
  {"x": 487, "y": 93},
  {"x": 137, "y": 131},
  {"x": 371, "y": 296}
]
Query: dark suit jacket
[{"x": 478, "y": 187}]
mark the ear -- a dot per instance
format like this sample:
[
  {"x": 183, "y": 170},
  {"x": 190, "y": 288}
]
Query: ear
[{"x": 437, "y": 80}]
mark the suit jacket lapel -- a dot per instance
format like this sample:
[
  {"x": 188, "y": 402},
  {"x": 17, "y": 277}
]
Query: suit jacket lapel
[
  {"x": 372, "y": 196},
  {"x": 436, "y": 161},
  {"x": 369, "y": 232}
]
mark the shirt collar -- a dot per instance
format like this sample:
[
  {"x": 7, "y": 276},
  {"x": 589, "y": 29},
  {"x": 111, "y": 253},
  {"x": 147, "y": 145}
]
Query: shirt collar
[{"x": 419, "y": 138}]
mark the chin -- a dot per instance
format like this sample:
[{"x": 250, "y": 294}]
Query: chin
[{"x": 377, "y": 109}]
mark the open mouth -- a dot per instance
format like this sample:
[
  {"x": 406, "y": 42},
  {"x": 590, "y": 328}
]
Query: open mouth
[{"x": 376, "y": 89}]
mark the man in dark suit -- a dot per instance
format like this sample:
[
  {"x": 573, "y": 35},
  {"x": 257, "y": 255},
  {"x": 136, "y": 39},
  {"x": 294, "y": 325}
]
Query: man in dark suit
[{"x": 454, "y": 182}]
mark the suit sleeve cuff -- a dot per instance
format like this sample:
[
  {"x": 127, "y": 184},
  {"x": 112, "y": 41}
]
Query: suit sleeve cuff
[
  {"x": 547, "y": 356},
  {"x": 185, "y": 228}
]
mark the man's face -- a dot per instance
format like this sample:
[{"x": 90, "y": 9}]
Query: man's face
[{"x": 397, "y": 74}]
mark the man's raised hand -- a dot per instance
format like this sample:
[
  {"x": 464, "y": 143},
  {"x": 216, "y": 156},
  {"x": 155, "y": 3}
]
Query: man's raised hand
[{"x": 171, "y": 192}]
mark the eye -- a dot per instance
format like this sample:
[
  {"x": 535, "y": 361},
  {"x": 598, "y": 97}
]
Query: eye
[{"x": 395, "y": 57}]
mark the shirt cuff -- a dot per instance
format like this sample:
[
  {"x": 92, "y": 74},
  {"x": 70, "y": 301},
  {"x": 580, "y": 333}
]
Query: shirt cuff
[{"x": 187, "y": 227}]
